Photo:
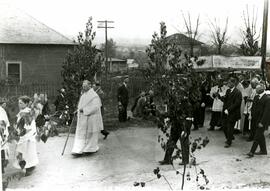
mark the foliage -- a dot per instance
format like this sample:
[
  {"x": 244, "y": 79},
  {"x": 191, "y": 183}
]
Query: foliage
[
  {"x": 176, "y": 82},
  {"x": 171, "y": 73},
  {"x": 81, "y": 64},
  {"x": 250, "y": 36},
  {"x": 164, "y": 124},
  {"x": 195, "y": 145}
]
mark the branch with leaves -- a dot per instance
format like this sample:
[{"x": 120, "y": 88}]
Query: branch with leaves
[
  {"x": 81, "y": 64},
  {"x": 176, "y": 82}
]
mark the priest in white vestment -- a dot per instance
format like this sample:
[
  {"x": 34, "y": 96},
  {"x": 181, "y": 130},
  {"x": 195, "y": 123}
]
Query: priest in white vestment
[{"x": 89, "y": 122}]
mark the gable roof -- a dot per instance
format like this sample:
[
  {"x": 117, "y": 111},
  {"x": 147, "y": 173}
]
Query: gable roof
[
  {"x": 182, "y": 39},
  {"x": 17, "y": 27}
]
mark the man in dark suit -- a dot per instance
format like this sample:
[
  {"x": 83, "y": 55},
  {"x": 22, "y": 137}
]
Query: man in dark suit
[
  {"x": 180, "y": 130},
  {"x": 122, "y": 96},
  {"x": 260, "y": 118},
  {"x": 231, "y": 110},
  {"x": 60, "y": 102}
]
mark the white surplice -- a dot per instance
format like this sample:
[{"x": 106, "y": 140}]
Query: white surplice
[
  {"x": 27, "y": 144},
  {"x": 89, "y": 123}
]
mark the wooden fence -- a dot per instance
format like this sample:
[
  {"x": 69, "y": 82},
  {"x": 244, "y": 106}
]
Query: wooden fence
[
  {"x": 9, "y": 91},
  {"x": 136, "y": 84}
]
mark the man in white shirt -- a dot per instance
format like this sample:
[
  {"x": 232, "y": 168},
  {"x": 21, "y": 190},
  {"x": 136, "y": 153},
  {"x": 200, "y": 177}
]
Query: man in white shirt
[{"x": 215, "y": 93}]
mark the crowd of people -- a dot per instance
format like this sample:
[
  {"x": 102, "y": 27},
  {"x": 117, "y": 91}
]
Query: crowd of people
[
  {"x": 34, "y": 116},
  {"x": 234, "y": 108},
  {"x": 236, "y": 104},
  {"x": 241, "y": 105},
  {"x": 29, "y": 128}
]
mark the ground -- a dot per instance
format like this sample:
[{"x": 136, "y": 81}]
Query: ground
[{"x": 130, "y": 154}]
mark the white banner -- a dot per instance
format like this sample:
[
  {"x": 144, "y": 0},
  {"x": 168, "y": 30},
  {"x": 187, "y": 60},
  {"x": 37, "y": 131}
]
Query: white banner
[
  {"x": 235, "y": 63},
  {"x": 240, "y": 62}
]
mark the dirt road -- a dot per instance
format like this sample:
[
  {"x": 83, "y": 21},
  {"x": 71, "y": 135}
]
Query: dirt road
[{"x": 131, "y": 153}]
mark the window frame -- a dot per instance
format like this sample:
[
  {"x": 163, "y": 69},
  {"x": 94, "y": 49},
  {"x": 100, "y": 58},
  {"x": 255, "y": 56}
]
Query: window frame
[{"x": 14, "y": 62}]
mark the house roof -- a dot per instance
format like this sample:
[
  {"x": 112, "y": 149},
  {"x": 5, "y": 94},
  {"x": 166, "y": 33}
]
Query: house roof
[
  {"x": 17, "y": 27},
  {"x": 182, "y": 39}
]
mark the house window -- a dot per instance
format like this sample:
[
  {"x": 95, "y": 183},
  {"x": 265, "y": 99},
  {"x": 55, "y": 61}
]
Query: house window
[{"x": 14, "y": 72}]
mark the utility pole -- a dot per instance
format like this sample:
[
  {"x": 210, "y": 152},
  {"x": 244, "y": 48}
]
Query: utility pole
[
  {"x": 105, "y": 26},
  {"x": 264, "y": 37}
]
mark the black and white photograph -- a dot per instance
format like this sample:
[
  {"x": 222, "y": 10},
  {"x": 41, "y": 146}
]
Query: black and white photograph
[{"x": 134, "y": 95}]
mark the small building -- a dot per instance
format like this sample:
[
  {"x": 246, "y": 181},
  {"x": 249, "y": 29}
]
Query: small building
[
  {"x": 184, "y": 42},
  {"x": 117, "y": 65},
  {"x": 30, "y": 51},
  {"x": 132, "y": 64}
]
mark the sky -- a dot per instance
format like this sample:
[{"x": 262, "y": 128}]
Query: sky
[{"x": 136, "y": 20}]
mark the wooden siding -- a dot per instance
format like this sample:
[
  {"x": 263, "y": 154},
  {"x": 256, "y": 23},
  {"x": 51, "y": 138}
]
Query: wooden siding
[{"x": 40, "y": 63}]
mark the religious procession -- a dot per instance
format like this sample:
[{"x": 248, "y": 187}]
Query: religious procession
[{"x": 174, "y": 112}]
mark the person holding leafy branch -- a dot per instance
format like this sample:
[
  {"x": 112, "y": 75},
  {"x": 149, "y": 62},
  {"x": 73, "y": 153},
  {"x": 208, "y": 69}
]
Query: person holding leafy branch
[
  {"x": 26, "y": 152},
  {"x": 4, "y": 124}
]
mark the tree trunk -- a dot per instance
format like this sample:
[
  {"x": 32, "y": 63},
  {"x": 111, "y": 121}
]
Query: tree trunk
[
  {"x": 191, "y": 51},
  {"x": 219, "y": 49}
]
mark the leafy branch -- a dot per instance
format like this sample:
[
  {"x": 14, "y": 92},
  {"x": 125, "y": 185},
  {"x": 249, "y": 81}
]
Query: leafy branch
[{"x": 173, "y": 78}]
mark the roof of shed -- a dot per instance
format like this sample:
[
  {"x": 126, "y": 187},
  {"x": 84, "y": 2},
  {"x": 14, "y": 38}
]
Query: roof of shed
[{"x": 17, "y": 27}]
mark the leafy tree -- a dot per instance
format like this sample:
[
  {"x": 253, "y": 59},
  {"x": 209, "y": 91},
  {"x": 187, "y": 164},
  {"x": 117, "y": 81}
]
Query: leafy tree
[
  {"x": 176, "y": 82},
  {"x": 81, "y": 64},
  {"x": 250, "y": 36},
  {"x": 167, "y": 64}
]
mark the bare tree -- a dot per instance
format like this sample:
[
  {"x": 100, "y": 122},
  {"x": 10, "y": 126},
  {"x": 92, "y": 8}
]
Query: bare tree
[
  {"x": 191, "y": 32},
  {"x": 219, "y": 36},
  {"x": 250, "y": 36}
]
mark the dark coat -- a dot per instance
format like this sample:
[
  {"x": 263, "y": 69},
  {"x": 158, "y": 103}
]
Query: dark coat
[
  {"x": 203, "y": 90},
  {"x": 260, "y": 110},
  {"x": 60, "y": 103},
  {"x": 232, "y": 102},
  {"x": 122, "y": 95}
]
